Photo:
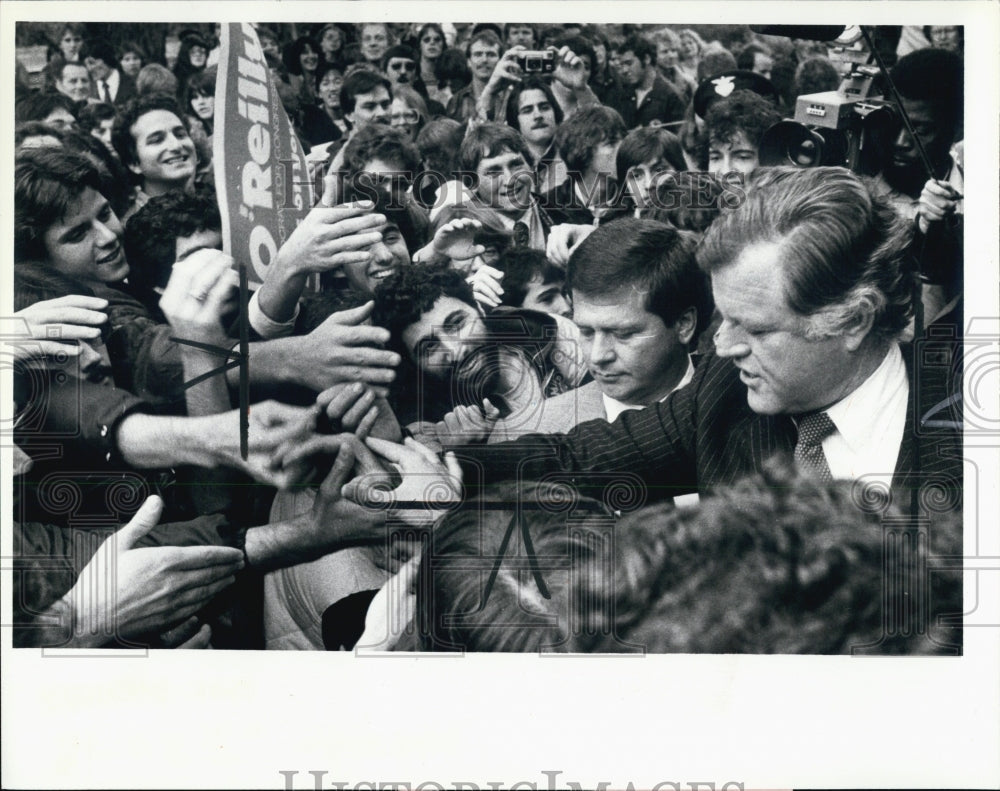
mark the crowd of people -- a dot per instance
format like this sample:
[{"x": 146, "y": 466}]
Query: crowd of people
[{"x": 585, "y": 368}]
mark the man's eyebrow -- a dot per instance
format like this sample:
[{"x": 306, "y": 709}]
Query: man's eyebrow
[
  {"x": 70, "y": 231},
  {"x": 453, "y": 318}
]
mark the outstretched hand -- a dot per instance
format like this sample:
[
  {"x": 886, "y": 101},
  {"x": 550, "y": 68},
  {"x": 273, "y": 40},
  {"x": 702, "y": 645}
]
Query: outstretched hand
[{"x": 53, "y": 326}]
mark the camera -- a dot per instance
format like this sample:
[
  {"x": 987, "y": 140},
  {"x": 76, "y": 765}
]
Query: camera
[
  {"x": 537, "y": 61},
  {"x": 844, "y": 127}
]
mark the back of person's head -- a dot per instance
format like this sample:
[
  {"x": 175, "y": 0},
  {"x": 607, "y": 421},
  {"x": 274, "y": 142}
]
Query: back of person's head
[
  {"x": 36, "y": 282},
  {"x": 360, "y": 82},
  {"x": 580, "y": 47},
  {"x": 35, "y": 131},
  {"x": 489, "y": 140},
  {"x": 151, "y": 234},
  {"x": 776, "y": 564},
  {"x": 403, "y": 297},
  {"x": 742, "y": 111},
  {"x": 386, "y": 143},
  {"x": 92, "y": 114},
  {"x": 714, "y": 60},
  {"x": 121, "y": 135},
  {"x": 39, "y": 106},
  {"x": 47, "y": 181},
  {"x": 648, "y": 144},
  {"x": 580, "y": 134},
  {"x": 531, "y": 82},
  {"x": 115, "y": 182},
  {"x": 748, "y": 56},
  {"x": 99, "y": 49},
  {"x": 649, "y": 257},
  {"x": 639, "y": 46},
  {"x": 934, "y": 76},
  {"x": 815, "y": 75},
  {"x": 689, "y": 201},
  {"x": 452, "y": 67},
  {"x": 520, "y": 265},
  {"x": 439, "y": 142},
  {"x": 155, "y": 78},
  {"x": 502, "y": 577},
  {"x": 844, "y": 248}
]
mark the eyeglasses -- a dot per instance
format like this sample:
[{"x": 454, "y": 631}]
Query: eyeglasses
[
  {"x": 431, "y": 40},
  {"x": 406, "y": 117},
  {"x": 406, "y": 65}
]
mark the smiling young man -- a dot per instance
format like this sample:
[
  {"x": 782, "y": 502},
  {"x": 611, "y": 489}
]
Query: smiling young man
[
  {"x": 504, "y": 182},
  {"x": 154, "y": 144},
  {"x": 483, "y": 54}
]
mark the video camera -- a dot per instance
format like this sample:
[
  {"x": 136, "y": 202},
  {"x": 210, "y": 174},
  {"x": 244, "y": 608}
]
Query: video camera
[{"x": 845, "y": 127}]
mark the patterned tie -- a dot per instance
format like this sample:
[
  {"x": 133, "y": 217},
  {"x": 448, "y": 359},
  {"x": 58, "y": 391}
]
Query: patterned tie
[
  {"x": 106, "y": 91},
  {"x": 809, "y": 457}
]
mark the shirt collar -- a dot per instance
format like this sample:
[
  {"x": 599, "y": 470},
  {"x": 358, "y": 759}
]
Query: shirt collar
[
  {"x": 857, "y": 414},
  {"x": 613, "y": 407}
]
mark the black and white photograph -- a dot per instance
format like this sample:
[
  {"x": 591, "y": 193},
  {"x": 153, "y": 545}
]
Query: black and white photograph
[{"x": 500, "y": 395}]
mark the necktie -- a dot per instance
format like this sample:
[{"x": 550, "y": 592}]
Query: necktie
[
  {"x": 809, "y": 456},
  {"x": 106, "y": 92}
]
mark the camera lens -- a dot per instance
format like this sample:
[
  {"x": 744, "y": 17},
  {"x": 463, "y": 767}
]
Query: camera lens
[{"x": 805, "y": 154}]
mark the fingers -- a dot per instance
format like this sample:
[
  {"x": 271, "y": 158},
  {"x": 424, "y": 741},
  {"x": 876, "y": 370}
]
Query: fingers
[
  {"x": 337, "y": 400},
  {"x": 367, "y": 423},
  {"x": 490, "y": 411},
  {"x": 353, "y": 317},
  {"x": 358, "y": 411},
  {"x": 145, "y": 519},
  {"x": 202, "y": 639},
  {"x": 269, "y": 414},
  {"x": 392, "y": 451},
  {"x": 184, "y": 631},
  {"x": 331, "y": 189},
  {"x": 74, "y": 301},
  {"x": 453, "y": 467},
  {"x": 214, "y": 561},
  {"x": 318, "y": 444}
]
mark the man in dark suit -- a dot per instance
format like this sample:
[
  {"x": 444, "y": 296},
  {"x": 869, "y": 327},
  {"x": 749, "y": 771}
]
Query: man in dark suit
[
  {"x": 814, "y": 289},
  {"x": 107, "y": 83}
]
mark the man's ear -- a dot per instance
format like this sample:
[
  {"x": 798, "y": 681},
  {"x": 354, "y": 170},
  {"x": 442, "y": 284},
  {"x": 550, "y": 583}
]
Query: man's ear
[
  {"x": 859, "y": 326},
  {"x": 686, "y": 324},
  {"x": 134, "y": 167}
]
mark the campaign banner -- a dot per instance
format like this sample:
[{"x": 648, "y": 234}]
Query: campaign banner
[{"x": 261, "y": 177}]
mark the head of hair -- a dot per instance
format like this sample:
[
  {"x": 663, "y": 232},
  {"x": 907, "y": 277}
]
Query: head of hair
[
  {"x": 58, "y": 65},
  {"x": 509, "y": 25},
  {"x": 580, "y": 134},
  {"x": 748, "y": 56},
  {"x": 640, "y": 47},
  {"x": 645, "y": 144},
  {"x": 843, "y": 247},
  {"x": 439, "y": 142},
  {"x": 28, "y": 129},
  {"x": 698, "y": 40},
  {"x": 413, "y": 100},
  {"x": 135, "y": 49},
  {"x": 362, "y": 81},
  {"x": 488, "y": 36},
  {"x": 406, "y": 295},
  {"x": 580, "y": 47},
  {"x": 292, "y": 53},
  {"x": 531, "y": 82},
  {"x": 155, "y": 78},
  {"x": 36, "y": 282},
  {"x": 934, "y": 76},
  {"x": 427, "y": 26},
  {"x": 387, "y": 143},
  {"x": 398, "y": 51},
  {"x": 714, "y": 60},
  {"x": 520, "y": 265},
  {"x": 151, "y": 234},
  {"x": 649, "y": 257},
  {"x": 452, "y": 65},
  {"x": 777, "y": 563},
  {"x": 184, "y": 68},
  {"x": 668, "y": 36},
  {"x": 490, "y": 140},
  {"x": 121, "y": 135},
  {"x": 92, "y": 114},
  {"x": 47, "y": 181},
  {"x": 115, "y": 182},
  {"x": 815, "y": 75},
  {"x": 688, "y": 201},
  {"x": 38, "y": 106},
  {"x": 101, "y": 49},
  {"x": 200, "y": 84},
  {"x": 742, "y": 111}
]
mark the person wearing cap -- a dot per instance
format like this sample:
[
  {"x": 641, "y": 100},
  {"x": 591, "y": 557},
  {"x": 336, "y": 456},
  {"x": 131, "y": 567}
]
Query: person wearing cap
[
  {"x": 738, "y": 107},
  {"x": 648, "y": 99},
  {"x": 399, "y": 64}
]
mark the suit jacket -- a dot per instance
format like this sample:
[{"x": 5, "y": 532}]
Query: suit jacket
[
  {"x": 705, "y": 434},
  {"x": 126, "y": 90}
]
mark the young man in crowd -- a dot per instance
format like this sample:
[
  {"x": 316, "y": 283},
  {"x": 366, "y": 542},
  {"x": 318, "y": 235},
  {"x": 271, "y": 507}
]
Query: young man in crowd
[
  {"x": 588, "y": 143},
  {"x": 532, "y": 109},
  {"x": 483, "y": 53},
  {"x": 647, "y": 98},
  {"x": 640, "y": 302},
  {"x": 154, "y": 144},
  {"x": 107, "y": 83},
  {"x": 735, "y": 126}
]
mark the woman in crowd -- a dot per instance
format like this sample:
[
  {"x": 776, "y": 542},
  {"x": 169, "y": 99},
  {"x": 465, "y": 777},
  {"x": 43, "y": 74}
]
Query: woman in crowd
[
  {"x": 198, "y": 106},
  {"x": 408, "y": 111},
  {"x": 692, "y": 47},
  {"x": 303, "y": 59},
  {"x": 70, "y": 42},
  {"x": 430, "y": 41},
  {"x": 132, "y": 59},
  {"x": 191, "y": 59},
  {"x": 324, "y": 122},
  {"x": 331, "y": 43}
]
